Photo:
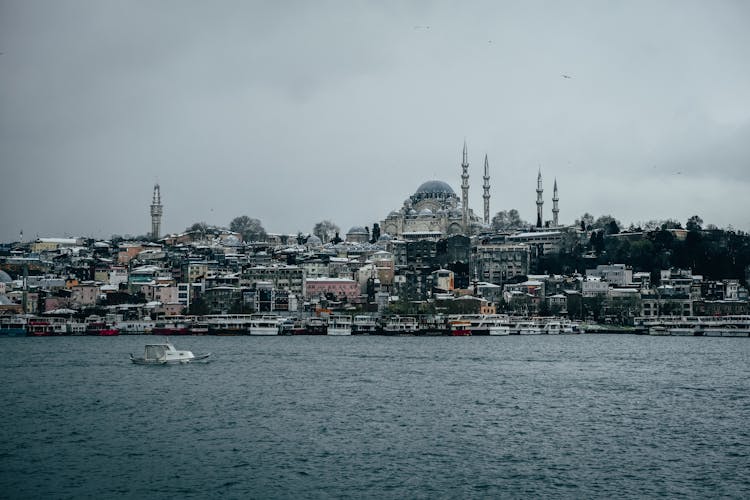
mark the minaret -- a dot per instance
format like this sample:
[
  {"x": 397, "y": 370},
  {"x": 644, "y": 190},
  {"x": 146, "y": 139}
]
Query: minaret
[
  {"x": 539, "y": 202},
  {"x": 465, "y": 191},
  {"x": 486, "y": 194},
  {"x": 156, "y": 211},
  {"x": 555, "y": 209}
]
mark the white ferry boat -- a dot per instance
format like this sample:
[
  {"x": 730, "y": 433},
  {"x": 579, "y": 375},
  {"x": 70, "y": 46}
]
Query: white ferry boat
[
  {"x": 488, "y": 324},
  {"x": 266, "y": 324},
  {"x": 528, "y": 328},
  {"x": 339, "y": 325},
  {"x": 364, "y": 324},
  {"x": 400, "y": 325},
  {"x": 228, "y": 324},
  {"x": 135, "y": 327}
]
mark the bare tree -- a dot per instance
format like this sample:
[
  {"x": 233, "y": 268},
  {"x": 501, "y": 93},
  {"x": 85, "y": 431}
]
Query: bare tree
[{"x": 326, "y": 230}]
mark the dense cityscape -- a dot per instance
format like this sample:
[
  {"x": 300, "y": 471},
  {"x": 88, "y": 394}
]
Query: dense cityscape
[{"x": 432, "y": 266}]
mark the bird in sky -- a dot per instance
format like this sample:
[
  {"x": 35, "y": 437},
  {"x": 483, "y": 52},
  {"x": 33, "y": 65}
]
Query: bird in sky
[{"x": 566, "y": 76}]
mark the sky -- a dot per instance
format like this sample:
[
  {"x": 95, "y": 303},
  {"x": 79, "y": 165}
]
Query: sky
[{"x": 298, "y": 112}]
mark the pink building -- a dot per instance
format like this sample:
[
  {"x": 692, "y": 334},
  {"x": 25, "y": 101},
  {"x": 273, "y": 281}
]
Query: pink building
[{"x": 338, "y": 287}]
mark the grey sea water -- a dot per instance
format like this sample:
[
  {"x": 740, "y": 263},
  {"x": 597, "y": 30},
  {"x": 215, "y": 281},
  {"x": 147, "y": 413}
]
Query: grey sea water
[{"x": 583, "y": 416}]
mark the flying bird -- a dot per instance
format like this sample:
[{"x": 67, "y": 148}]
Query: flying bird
[{"x": 566, "y": 76}]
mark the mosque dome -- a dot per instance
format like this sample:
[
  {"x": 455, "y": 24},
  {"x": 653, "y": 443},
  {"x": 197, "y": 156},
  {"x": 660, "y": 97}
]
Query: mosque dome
[
  {"x": 314, "y": 241},
  {"x": 5, "y": 278},
  {"x": 435, "y": 187},
  {"x": 425, "y": 212},
  {"x": 357, "y": 230}
]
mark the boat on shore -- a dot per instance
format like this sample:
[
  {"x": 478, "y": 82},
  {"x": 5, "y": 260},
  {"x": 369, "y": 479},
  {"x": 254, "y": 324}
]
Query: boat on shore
[
  {"x": 315, "y": 326},
  {"x": 172, "y": 327},
  {"x": 459, "y": 328},
  {"x": 528, "y": 328},
  {"x": 228, "y": 324},
  {"x": 364, "y": 324},
  {"x": 433, "y": 325},
  {"x": 101, "y": 329},
  {"x": 13, "y": 326},
  {"x": 697, "y": 326},
  {"x": 264, "y": 325},
  {"x": 135, "y": 327},
  {"x": 400, "y": 325},
  {"x": 339, "y": 325},
  {"x": 165, "y": 354}
]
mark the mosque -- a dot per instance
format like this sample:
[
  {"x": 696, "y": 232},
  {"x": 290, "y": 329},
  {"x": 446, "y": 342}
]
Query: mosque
[{"x": 435, "y": 211}]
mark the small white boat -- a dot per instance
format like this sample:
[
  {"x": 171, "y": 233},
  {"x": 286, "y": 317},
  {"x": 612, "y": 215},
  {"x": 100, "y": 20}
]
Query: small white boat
[
  {"x": 162, "y": 354},
  {"x": 529, "y": 328}
]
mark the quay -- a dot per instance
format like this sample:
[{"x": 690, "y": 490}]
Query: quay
[{"x": 269, "y": 324}]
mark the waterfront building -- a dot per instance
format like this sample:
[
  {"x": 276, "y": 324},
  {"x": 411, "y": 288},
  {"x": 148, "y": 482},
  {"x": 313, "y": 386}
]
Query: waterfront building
[
  {"x": 615, "y": 274},
  {"x": 282, "y": 277},
  {"x": 41, "y": 245},
  {"x": 442, "y": 279},
  {"x": 498, "y": 263},
  {"x": 546, "y": 241},
  {"x": 339, "y": 288},
  {"x": 85, "y": 294},
  {"x": 593, "y": 287}
]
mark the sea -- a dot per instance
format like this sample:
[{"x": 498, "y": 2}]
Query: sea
[{"x": 581, "y": 416}]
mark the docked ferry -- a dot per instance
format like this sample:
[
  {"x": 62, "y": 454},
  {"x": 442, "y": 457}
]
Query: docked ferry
[
  {"x": 459, "y": 327},
  {"x": 13, "y": 326},
  {"x": 264, "y": 324},
  {"x": 339, "y": 325},
  {"x": 364, "y": 324},
  {"x": 400, "y": 325},
  {"x": 228, "y": 324}
]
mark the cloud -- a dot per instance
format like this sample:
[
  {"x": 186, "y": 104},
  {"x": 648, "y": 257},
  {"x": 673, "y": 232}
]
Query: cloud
[{"x": 298, "y": 112}]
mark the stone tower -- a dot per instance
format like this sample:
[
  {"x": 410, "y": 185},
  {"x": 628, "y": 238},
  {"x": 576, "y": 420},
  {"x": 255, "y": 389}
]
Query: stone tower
[
  {"x": 156, "y": 211},
  {"x": 539, "y": 201},
  {"x": 486, "y": 188},
  {"x": 555, "y": 208},
  {"x": 465, "y": 190}
]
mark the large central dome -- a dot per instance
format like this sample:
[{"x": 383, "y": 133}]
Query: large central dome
[{"x": 434, "y": 187}]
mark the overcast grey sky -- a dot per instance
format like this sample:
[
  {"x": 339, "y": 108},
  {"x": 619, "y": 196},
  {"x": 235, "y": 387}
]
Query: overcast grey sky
[{"x": 295, "y": 112}]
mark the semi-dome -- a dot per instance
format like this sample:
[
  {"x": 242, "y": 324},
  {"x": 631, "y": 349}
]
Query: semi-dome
[{"x": 434, "y": 187}]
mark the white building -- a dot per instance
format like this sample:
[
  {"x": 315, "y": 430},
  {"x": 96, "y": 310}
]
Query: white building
[{"x": 616, "y": 274}]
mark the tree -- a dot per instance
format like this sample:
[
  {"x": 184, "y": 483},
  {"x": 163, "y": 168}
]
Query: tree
[
  {"x": 597, "y": 241},
  {"x": 199, "y": 227},
  {"x": 694, "y": 223},
  {"x": 609, "y": 224},
  {"x": 250, "y": 229},
  {"x": 586, "y": 221},
  {"x": 671, "y": 224},
  {"x": 326, "y": 230},
  {"x": 510, "y": 219},
  {"x": 375, "y": 233}
]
